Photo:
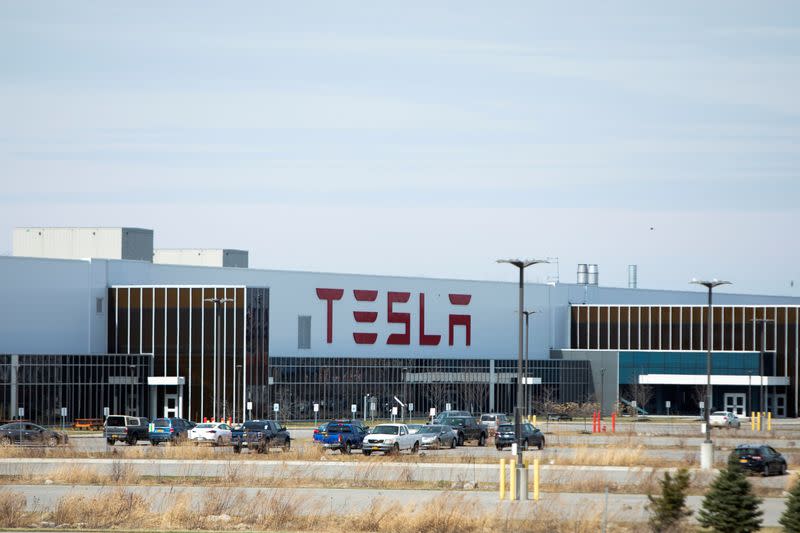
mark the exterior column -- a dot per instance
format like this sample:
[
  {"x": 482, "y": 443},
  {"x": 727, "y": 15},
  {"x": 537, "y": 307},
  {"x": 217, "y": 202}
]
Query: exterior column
[
  {"x": 492, "y": 381},
  {"x": 12, "y": 404}
]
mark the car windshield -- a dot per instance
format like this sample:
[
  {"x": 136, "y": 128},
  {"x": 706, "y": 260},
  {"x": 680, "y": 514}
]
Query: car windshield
[
  {"x": 747, "y": 451},
  {"x": 254, "y": 425},
  {"x": 161, "y": 423},
  {"x": 115, "y": 421},
  {"x": 488, "y": 418},
  {"x": 505, "y": 427},
  {"x": 338, "y": 428},
  {"x": 385, "y": 430},
  {"x": 430, "y": 429},
  {"x": 205, "y": 426}
]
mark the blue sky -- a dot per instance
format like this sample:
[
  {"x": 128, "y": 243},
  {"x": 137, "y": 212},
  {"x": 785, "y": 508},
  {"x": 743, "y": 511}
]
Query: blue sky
[{"x": 416, "y": 140}]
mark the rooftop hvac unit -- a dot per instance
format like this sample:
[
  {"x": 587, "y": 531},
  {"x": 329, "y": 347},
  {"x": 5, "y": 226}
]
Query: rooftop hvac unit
[
  {"x": 594, "y": 275},
  {"x": 583, "y": 274},
  {"x": 632, "y": 276}
]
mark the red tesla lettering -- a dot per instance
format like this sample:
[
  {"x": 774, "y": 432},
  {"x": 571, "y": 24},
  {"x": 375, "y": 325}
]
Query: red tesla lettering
[
  {"x": 365, "y": 317},
  {"x": 330, "y": 295},
  {"x": 460, "y": 320},
  {"x": 424, "y": 339},
  {"x": 399, "y": 318}
]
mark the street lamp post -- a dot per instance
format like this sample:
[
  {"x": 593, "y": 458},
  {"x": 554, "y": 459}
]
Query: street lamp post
[
  {"x": 762, "y": 408},
  {"x": 522, "y": 484},
  {"x": 130, "y": 394},
  {"x": 527, "y": 362},
  {"x": 218, "y": 303},
  {"x": 234, "y": 391},
  {"x": 707, "y": 447}
]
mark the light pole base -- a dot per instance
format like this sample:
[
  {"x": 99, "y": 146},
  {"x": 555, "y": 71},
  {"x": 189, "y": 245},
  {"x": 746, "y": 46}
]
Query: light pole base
[
  {"x": 707, "y": 455},
  {"x": 522, "y": 483}
]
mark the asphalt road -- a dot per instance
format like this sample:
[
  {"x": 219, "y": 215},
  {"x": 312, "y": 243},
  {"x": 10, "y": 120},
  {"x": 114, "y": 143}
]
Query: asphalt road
[{"x": 621, "y": 507}]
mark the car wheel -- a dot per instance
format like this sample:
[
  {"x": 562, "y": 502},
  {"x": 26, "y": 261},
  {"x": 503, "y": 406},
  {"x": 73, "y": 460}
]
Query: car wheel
[
  {"x": 415, "y": 448},
  {"x": 110, "y": 442},
  {"x": 346, "y": 448},
  {"x": 287, "y": 445},
  {"x": 499, "y": 448},
  {"x": 237, "y": 449},
  {"x": 482, "y": 440},
  {"x": 218, "y": 442},
  {"x": 766, "y": 470},
  {"x": 452, "y": 443},
  {"x": 460, "y": 439},
  {"x": 783, "y": 469},
  {"x": 541, "y": 444},
  {"x": 366, "y": 452},
  {"x": 395, "y": 449},
  {"x": 5, "y": 441},
  {"x": 52, "y": 441},
  {"x": 153, "y": 443}
]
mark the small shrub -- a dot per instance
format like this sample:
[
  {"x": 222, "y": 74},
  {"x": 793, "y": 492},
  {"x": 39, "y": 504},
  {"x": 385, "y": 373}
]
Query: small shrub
[
  {"x": 12, "y": 509},
  {"x": 790, "y": 519},
  {"x": 668, "y": 511},
  {"x": 730, "y": 505}
]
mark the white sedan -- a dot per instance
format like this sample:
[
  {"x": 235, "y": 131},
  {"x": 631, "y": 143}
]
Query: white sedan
[
  {"x": 215, "y": 433},
  {"x": 724, "y": 419}
]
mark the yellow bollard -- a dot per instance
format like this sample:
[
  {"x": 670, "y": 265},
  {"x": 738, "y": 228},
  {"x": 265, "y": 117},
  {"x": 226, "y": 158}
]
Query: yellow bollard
[
  {"x": 769, "y": 420},
  {"x": 536, "y": 480},
  {"x": 758, "y": 421},
  {"x": 752, "y": 421},
  {"x": 512, "y": 486},
  {"x": 502, "y": 479},
  {"x": 534, "y": 420}
]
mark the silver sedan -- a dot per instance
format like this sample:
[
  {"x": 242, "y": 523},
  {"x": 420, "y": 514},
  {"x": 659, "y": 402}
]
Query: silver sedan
[{"x": 437, "y": 436}]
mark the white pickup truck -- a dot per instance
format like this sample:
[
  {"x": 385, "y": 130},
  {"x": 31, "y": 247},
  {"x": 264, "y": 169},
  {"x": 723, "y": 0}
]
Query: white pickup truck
[{"x": 390, "y": 438}]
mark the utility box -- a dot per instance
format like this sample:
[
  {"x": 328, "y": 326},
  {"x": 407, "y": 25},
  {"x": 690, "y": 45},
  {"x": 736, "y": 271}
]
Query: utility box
[
  {"x": 214, "y": 257},
  {"x": 134, "y": 244}
]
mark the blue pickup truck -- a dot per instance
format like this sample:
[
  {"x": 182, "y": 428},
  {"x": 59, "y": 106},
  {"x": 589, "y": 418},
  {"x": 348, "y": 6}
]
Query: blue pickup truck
[{"x": 342, "y": 436}]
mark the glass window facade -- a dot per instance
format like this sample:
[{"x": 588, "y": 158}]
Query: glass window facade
[
  {"x": 215, "y": 338},
  {"x": 84, "y": 384},
  {"x": 634, "y": 364}
]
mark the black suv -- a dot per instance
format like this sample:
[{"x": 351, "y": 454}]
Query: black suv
[
  {"x": 506, "y": 436},
  {"x": 466, "y": 428},
  {"x": 760, "y": 459}
]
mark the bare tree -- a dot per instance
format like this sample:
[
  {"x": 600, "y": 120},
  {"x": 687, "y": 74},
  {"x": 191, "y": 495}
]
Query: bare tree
[
  {"x": 475, "y": 396},
  {"x": 641, "y": 394}
]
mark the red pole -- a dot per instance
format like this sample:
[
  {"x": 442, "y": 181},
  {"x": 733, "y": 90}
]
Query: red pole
[
  {"x": 613, "y": 422},
  {"x": 594, "y": 421}
]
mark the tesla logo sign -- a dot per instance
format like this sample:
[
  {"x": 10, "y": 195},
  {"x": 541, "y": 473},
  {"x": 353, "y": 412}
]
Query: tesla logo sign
[{"x": 426, "y": 338}]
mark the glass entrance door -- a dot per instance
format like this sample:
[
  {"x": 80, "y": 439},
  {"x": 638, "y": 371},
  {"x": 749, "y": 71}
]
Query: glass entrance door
[{"x": 735, "y": 403}]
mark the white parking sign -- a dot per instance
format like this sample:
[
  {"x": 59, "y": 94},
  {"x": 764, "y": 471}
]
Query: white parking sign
[
  {"x": 276, "y": 407},
  {"x": 353, "y": 408}
]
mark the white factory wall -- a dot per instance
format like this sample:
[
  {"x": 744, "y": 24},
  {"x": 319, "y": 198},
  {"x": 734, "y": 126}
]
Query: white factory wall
[
  {"x": 45, "y": 306},
  {"x": 50, "y": 307},
  {"x": 82, "y": 243}
]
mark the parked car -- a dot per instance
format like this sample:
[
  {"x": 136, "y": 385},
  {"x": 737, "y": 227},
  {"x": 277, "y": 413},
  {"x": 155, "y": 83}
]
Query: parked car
[
  {"x": 437, "y": 436},
  {"x": 260, "y": 435},
  {"x": 171, "y": 430},
  {"x": 127, "y": 429},
  {"x": 492, "y": 420},
  {"x": 214, "y": 433},
  {"x": 390, "y": 438},
  {"x": 506, "y": 436},
  {"x": 447, "y": 414},
  {"x": 558, "y": 417},
  {"x": 725, "y": 419},
  {"x": 25, "y": 433},
  {"x": 414, "y": 428},
  {"x": 760, "y": 459},
  {"x": 467, "y": 428},
  {"x": 342, "y": 436}
]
